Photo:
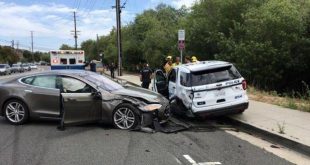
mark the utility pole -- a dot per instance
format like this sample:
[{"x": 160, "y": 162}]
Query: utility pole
[
  {"x": 97, "y": 45},
  {"x": 119, "y": 38},
  {"x": 12, "y": 44},
  {"x": 32, "y": 46},
  {"x": 75, "y": 35},
  {"x": 75, "y": 32},
  {"x": 17, "y": 47},
  {"x": 97, "y": 48}
]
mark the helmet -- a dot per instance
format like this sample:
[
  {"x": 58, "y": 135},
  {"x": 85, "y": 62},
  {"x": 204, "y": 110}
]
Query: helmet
[
  {"x": 168, "y": 57},
  {"x": 194, "y": 59}
]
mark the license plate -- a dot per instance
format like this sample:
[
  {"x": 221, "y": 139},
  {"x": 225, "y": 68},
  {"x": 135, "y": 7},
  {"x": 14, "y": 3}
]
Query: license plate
[{"x": 219, "y": 93}]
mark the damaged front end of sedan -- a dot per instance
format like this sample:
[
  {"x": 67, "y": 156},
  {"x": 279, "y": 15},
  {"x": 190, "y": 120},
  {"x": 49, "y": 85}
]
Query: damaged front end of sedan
[{"x": 156, "y": 117}]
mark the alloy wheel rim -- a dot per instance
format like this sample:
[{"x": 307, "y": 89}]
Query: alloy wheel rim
[
  {"x": 15, "y": 112},
  {"x": 124, "y": 118}
]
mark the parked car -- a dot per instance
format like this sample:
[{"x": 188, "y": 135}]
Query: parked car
[
  {"x": 17, "y": 68},
  {"x": 43, "y": 63},
  {"x": 33, "y": 66},
  {"x": 84, "y": 97},
  {"x": 5, "y": 69},
  {"x": 26, "y": 67},
  {"x": 203, "y": 88}
]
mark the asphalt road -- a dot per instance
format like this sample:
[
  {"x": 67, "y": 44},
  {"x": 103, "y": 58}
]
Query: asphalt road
[{"x": 39, "y": 142}]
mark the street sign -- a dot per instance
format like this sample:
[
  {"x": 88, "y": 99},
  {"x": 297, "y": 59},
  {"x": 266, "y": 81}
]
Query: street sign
[
  {"x": 181, "y": 44},
  {"x": 181, "y": 34}
]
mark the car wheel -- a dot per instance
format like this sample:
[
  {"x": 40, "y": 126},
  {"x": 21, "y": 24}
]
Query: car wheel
[
  {"x": 125, "y": 117},
  {"x": 16, "y": 112}
]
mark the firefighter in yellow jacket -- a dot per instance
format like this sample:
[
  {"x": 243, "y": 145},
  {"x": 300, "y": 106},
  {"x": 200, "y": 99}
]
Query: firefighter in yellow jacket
[
  {"x": 177, "y": 62},
  {"x": 168, "y": 65}
]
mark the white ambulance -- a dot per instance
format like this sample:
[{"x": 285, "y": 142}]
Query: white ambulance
[{"x": 67, "y": 59}]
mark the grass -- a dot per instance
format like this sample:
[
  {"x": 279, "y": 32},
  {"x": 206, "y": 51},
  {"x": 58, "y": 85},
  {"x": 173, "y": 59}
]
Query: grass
[
  {"x": 281, "y": 128},
  {"x": 302, "y": 102}
]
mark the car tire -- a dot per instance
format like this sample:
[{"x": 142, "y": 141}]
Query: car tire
[
  {"x": 125, "y": 117},
  {"x": 16, "y": 112},
  {"x": 240, "y": 112},
  {"x": 178, "y": 108}
]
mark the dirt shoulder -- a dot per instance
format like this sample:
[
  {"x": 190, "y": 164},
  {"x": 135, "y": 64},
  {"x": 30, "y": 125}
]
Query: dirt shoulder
[{"x": 273, "y": 98}]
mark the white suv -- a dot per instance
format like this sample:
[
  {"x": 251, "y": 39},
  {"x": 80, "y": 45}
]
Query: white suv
[{"x": 204, "y": 88}]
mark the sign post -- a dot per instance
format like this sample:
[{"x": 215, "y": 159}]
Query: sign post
[{"x": 181, "y": 43}]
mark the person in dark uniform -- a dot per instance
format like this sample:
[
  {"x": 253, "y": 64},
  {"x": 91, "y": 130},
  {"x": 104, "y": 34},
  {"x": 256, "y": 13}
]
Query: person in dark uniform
[
  {"x": 145, "y": 76},
  {"x": 92, "y": 66},
  {"x": 112, "y": 69}
]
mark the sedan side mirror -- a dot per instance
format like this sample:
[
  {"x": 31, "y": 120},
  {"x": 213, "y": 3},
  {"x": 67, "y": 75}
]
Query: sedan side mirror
[{"x": 97, "y": 95}]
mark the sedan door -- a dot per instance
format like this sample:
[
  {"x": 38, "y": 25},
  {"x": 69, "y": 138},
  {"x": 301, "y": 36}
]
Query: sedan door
[
  {"x": 81, "y": 103},
  {"x": 160, "y": 83},
  {"x": 42, "y": 95},
  {"x": 172, "y": 83}
]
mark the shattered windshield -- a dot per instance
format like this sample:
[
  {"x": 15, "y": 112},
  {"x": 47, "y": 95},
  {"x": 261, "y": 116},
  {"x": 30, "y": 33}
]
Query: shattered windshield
[{"x": 103, "y": 82}]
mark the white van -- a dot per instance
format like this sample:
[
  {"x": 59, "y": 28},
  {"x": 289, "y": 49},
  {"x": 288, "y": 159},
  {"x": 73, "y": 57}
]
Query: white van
[{"x": 204, "y": 88}]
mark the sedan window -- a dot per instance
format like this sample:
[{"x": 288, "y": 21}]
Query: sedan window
[
  {"x": 72, "y": 85},
  {"x": 45, "y": 81},
  {"x": 27, "y": 80}
]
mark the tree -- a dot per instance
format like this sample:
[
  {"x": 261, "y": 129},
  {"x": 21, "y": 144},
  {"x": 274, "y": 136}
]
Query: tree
[
  {"x": 268, "y": 40},
  {"x": 66, "y": 47},
  {"x": 27, "y": 56},
  {"x": 7, "y": 55}
]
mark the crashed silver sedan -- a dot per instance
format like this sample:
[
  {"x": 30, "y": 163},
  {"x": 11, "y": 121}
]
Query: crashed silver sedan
[{"x": 76, "y": 97}]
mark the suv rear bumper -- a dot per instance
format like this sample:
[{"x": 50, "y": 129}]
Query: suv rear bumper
[{"x": 224, "y": 110}]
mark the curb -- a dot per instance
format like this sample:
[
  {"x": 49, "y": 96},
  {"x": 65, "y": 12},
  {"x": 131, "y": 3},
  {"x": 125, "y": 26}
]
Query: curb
[
  {"x": 288, "y": 143},
  {"x": 269, "y": 136}
]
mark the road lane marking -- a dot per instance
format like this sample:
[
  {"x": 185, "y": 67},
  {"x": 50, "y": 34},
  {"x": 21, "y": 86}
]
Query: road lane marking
[
  {"x": 178, "y": 160},
  {"x": 209, "y": 163},
  {"x": 188, "y": 158},
  {"x": 193, "y": 162}
]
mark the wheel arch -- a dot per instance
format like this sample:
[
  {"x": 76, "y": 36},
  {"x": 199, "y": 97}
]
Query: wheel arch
[
  {"x": 13, "y": 98},
  {"x": 125, "y": 101},
  {"x": 136, "y": 112}
]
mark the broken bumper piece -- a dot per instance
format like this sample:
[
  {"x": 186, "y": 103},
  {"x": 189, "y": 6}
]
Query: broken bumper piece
[{"x": 151, "y": 124}]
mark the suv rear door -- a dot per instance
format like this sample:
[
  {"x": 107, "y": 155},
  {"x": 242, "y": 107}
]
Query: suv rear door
[{"x": 217, "y": 86}]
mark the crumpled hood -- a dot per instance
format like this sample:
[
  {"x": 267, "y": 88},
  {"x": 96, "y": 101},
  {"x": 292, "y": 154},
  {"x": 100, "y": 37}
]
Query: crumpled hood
[{"x": 140, "y": 93}]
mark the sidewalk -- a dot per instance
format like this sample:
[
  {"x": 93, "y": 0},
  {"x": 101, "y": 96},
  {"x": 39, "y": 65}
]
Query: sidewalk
[{"x": 266, "y": 117}]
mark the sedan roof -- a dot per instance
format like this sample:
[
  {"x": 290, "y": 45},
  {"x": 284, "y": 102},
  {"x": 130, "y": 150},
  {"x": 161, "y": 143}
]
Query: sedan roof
[
  {"x": 67, "y": 72},
  {"x": 79, "y": 73}
]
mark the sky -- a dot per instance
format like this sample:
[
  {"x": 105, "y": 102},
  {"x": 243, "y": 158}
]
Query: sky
[{"x": 52, "y": 20}]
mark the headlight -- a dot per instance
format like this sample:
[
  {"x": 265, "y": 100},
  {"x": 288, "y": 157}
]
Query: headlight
[{"x": 151, "y": 107}]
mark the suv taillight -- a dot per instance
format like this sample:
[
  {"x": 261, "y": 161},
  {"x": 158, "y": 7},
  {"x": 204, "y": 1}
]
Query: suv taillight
[{"x": 244, "y": 85}]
